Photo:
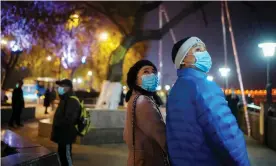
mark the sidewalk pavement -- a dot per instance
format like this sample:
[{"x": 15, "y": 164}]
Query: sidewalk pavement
[{"x": 116, "y": 154}]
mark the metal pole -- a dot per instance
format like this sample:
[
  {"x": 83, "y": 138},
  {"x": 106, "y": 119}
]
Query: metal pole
[
  {"x": 160, "y": 47},
  {"x": 168, "y": 20},
  {"x": 267, "y": 71},
  {"x": 238, "y": 68}
]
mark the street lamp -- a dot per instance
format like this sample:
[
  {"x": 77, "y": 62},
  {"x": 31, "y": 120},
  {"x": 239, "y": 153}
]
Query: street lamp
[
  {"x": 210, "y": 78},
  {"x": 76, "y": 16},
  {"x": 268, "y": 51},
  {"x": 104, "y": 36},
  {"x": 4, "y": 42},
  {"x": 90, "y": 73},
  {"x": 167, "y": 87},
  {"x": 79, "y": 80},
  {"x": 49, "y": 58},
  {"x": 158, "y": 87},
  {"x": 224, "y": 72}
]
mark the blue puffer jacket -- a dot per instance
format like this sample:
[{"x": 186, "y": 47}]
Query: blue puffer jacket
[{"x": 201, "y": 130}]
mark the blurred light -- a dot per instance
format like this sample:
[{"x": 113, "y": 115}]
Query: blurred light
[
  {"x": 49, "y": 58},
  {"x": 167, "y": 87},
  {"x": 30, "y": 96},
  {"x": 83, "y": 59},
  {"x": 162, "y": 94},
  {"x": 74, "y": 80},
  {"x": 159, "y": 75},
  {"x": 210, "y": 78},
  {"x": 103, "y": 36},
  {"x": 75, "y": 16},
  {"x": 268, "y": 48},
  {"x": 70, "y": 59},
  {"x": 224, "y": 71},
  {"x": 79, "y": 80},
  {"x": 159, "y": 88},
  {"x": 14, "y": 47},
  {"x": 4, "y": 42},
  {"x": 124, "y": 87},
  {"x": 90, "y": 73}
]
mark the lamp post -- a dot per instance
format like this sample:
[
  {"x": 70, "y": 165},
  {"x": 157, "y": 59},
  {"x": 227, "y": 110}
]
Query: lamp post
[
  {"x": 103, "y": 36},
  {"x": 268, "y": 51},
  {"x": 224, "y": 72}
]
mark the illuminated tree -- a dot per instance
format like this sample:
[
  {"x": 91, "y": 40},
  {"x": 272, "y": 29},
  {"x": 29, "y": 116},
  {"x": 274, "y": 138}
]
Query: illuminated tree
[
  {"x": 129, "y": 17},
  {"x": 46, "y": 24}
]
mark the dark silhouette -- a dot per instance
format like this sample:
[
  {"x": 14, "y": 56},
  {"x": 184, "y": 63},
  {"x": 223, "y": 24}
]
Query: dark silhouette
[
  {"x": 17, "y": 104},
  {"x": 233, "y": 101},
  {"x": 53, "y": 96},
  {"x": 64, "y": 132},
  {"x": 47, "y": 100}
]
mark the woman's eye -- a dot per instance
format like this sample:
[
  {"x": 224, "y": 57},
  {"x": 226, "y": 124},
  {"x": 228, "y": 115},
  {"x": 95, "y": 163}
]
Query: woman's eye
[{"x": 146, "y": 72}]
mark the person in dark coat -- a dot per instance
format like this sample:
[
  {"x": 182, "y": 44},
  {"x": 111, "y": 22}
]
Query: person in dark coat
[
  {"x": 53, "y": 98},
  {"x": 233, "y": 101},
  {"x": 17, "y": 104},
  {"x": 47, "y": 99},
  {"x": 64, "y": 132},
  {"x": 200, "y": 128}
]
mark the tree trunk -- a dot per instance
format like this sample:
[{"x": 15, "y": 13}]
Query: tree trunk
[
  {"x": 117, "y": 58},
  {"x": 73, "y": 73},
  {"x": 9, "y": 68},
  {"x": 4, "y": 78}
]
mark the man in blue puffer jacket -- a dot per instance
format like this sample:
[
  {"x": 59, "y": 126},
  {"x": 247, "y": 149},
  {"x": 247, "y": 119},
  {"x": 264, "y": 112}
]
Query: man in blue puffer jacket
[{"x": 201, "y": 130}]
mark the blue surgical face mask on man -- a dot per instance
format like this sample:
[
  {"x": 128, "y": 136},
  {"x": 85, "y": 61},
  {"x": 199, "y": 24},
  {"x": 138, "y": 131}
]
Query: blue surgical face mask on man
[
  {"x": 203, "y": 61},
  {"x": 61, "y": 91},
  {"x": 149, "y": 82}
]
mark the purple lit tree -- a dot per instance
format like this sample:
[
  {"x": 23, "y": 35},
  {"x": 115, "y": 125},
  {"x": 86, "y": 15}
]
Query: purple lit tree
[{"x": 25, "y": 24}]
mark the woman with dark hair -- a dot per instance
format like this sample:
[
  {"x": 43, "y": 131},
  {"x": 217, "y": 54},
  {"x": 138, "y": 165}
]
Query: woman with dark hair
[{"x": 144, "y": 131}]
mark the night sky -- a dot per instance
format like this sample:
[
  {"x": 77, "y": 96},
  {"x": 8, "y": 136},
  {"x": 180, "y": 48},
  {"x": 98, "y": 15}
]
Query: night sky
[{"x": 248, "y": 34}]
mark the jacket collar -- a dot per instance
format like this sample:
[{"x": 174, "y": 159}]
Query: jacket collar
[
  {"x": 186, "y": 72},
  {"x": 67, "y": 95}
]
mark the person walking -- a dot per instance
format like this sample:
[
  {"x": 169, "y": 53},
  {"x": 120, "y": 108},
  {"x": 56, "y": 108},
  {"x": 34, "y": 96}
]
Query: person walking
[
  {"x": 53, "y": 96},
  {"x": 233, "y": 101},
  {"x": 66, "y": 116},
  {"x": 144, "y": 131},
  {"x": 47, "y": 99},
  {"x": 201, "y": 130},
  {"x": 18, "y": 105}
]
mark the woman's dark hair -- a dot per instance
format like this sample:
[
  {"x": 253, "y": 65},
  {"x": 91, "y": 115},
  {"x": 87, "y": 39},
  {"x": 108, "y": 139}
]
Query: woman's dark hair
[{"x": 132, "y": 78}]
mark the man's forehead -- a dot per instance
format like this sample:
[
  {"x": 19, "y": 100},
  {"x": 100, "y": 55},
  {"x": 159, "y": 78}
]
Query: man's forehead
[
  {"x": 198, "y": 44},
  {"x": 63, "y": 85}
]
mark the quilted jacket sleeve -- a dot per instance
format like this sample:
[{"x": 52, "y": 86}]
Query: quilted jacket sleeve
[{"x": 220, "y": 127}]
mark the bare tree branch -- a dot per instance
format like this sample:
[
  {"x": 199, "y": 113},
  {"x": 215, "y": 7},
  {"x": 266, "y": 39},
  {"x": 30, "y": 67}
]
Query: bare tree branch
[
  {"x": 159, "y": 33},
  {"x": 110, "y": 17},
  {"x": 147, "y": 7}
]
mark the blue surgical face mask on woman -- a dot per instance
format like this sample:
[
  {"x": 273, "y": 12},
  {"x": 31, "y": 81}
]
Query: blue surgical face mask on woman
[
  {"x": 61, "y": 91},
  {"x": 149, "y": 82},
  {"x": 203, "y": 61}
]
